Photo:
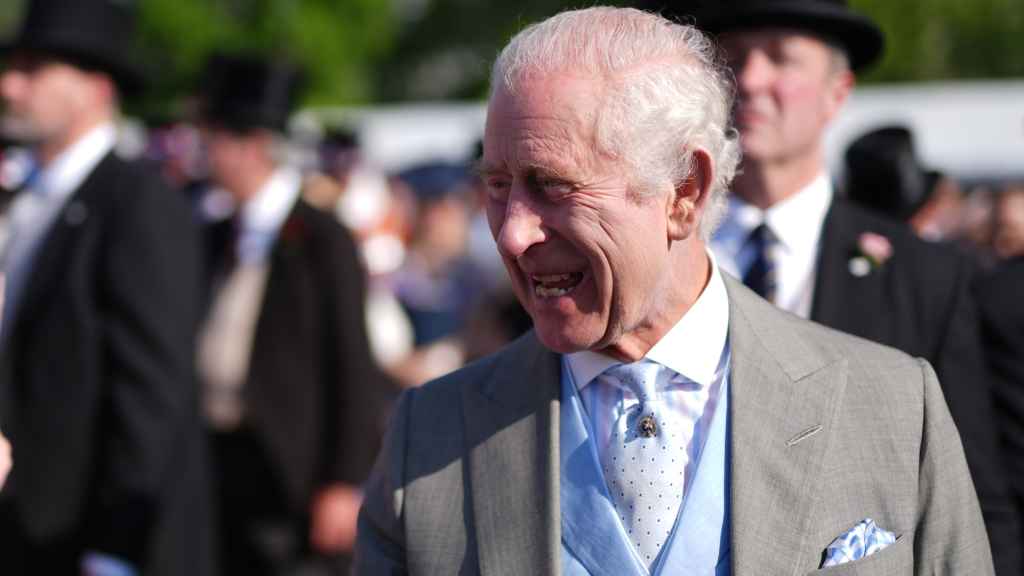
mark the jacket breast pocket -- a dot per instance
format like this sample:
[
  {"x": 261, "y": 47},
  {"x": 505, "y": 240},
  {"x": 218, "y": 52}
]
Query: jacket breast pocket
[{"x": 895, "y": 560}]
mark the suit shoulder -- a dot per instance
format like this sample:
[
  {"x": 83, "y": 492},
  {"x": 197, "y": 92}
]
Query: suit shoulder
[
  {"x": 935, "y": 273},
  {"x": 856, "y": 348},
  {"x": 477, "y": 376},
  {"x": 473, "y": 376},
  {"x": 137, "y": 184},
  {"x": 903, "y": 239},
  {"x": 828, "y": 345},
  {"x": 323, "y": 227}
]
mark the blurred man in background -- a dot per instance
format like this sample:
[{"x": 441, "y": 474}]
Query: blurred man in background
[
  {"x": 790, "y": 238},
  {"x": 1008, "y": 223},
  {"x": 999, "y": 296},
  {"x": 291, "y": 393},
  {"x": 102, "y": 302}
]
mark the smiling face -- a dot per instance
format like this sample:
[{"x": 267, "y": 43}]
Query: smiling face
[
  {"x": 789, "y": 87},
  {"x": 589, "y": 257}
]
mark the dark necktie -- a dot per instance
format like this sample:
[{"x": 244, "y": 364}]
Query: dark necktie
[{"x": 760, "y": 277}]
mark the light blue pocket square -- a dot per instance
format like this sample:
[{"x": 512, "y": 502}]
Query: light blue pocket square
[{"x": 858, "y": 542}]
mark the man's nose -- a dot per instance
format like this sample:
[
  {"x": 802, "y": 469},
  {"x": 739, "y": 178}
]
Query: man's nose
[
  {"x": 753, "y": 71},
  {"x": 11, "y": 84},
  {"x": 521, "y": 228}
]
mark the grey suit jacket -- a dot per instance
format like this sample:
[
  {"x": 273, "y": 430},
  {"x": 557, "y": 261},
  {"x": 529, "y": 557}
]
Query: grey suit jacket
[{"x": 826, "y": 430}]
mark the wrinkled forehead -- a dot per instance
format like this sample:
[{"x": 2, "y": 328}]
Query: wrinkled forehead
[{"x": 542, "y": 115}]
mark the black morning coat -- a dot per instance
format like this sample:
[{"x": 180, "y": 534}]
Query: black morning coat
[
  {"x": 1001, "y": 298},
  {"x": 314, "y": 398},
  {"x": 98, "y": 387}
]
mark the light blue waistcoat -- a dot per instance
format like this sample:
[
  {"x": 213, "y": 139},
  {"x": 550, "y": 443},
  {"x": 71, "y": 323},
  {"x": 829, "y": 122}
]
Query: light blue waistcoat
[{"x": 594, "y": 542}]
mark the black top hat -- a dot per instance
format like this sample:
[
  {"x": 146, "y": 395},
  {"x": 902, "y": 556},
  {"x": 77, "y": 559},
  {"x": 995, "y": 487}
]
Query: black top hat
[
  {"x": 94, "y": 34},
  {"x": 883, "y": 173},
  {"x": 831, "y": 19},
  {"x": 242, "y": 92}
]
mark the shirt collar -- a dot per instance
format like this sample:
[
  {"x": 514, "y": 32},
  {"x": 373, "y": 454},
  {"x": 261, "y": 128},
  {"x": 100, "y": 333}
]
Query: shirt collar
[
  {"x": 796, "y": 221},
  {"x": 692, "y": 348},
  {"x": 267, "y": 210},
  {"x": 70, "y": 168}
]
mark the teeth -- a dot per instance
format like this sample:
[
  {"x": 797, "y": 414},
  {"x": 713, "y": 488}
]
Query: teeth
[
  {"x": 545, "y": 292},
  {"x": 552, "y": 278}
]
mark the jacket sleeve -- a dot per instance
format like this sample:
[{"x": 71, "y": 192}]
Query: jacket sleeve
[
  {"x": 950, "y": 536},
  {"x": 380, "y": 540},
  {"x": 358, "y": 390},
  {"x": 149, "y": 298}
]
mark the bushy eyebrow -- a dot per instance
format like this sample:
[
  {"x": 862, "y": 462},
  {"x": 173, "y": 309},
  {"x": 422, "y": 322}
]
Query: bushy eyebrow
[
  {"x": 483, "y": 170},
  {"x": 533, "y": 172}
]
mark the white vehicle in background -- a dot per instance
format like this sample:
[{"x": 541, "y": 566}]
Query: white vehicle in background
[{"x": 973, "y": 131}]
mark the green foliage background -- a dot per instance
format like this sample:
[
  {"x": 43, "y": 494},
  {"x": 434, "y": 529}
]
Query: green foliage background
[{"x": 375, "y": 51}]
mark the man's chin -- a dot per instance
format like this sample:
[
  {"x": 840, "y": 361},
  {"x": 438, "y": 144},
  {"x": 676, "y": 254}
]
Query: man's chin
[
  {"x": 558, "y": 339},
  {"x": 17, "y": 132}
]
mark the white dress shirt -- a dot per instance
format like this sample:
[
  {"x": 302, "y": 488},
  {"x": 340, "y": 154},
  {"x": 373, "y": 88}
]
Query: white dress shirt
[
  {"x": 39, "y": 204},
  {"x": 796, "y": 222},
  {"x": 262, "y": 216},
  {"x": 694, "y": 351},
  {"x": 226, "y": 337}
]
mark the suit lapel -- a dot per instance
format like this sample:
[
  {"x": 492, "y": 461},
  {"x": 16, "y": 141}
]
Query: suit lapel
[
  {"x": 284, "y": 291},
  {"x": 785, "y": 394},
  {"x": 512, "y": 434},
  {"x": 840, "y": 297},
  {"x": 50, "y": 260},
  {"x": 590, "y": 525}
]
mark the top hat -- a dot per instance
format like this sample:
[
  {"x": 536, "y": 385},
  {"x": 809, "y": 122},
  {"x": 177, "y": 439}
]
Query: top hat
[
  {"x": 883, "y": 173},
  {"x": 94, "y": 34},
  {"x": 243, "y": 92},
  {"x": 831, "y": 19}
]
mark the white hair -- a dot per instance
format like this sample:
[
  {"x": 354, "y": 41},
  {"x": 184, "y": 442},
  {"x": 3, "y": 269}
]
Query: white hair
[{"x": 668, "y": 92}]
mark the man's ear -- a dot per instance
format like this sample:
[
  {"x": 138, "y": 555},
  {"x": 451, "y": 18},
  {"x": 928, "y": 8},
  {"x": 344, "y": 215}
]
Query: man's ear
[
  {"x": 688, "y": 199},
  {"x": 840, "y": 87}
]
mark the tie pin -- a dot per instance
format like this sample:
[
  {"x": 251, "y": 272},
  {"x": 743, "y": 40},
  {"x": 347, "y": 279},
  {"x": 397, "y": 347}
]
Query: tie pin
[{"x": 648, "y": 427}]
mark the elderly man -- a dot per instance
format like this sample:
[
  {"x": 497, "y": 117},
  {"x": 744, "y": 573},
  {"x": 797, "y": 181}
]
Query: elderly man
[
  {"x": 794, "y": 242},
  {"x": 99, "y": 317},
  {"x": 660, "y": 418}
]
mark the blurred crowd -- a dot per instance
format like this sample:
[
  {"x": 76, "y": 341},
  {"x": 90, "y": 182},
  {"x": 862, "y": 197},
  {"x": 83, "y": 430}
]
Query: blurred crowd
[
  {"x": 884, "y": 174},
  {"x": 303, "y": 287}
]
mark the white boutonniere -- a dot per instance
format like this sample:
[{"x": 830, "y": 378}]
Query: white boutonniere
[{"x": 873, "y": 250}]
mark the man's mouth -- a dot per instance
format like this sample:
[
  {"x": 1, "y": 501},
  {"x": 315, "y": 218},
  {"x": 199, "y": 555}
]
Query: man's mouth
[{"x": 555, "y": 285}]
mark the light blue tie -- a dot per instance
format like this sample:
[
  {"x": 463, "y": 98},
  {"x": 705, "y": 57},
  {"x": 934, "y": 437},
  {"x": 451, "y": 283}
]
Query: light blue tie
[{"x": 645, "y": 462}]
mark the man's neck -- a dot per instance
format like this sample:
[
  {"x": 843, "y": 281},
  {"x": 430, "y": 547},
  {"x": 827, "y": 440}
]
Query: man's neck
[
  {"x": 48, "y": 150},
  {"x": 690, "y": 271},
  {"x": 252, "y": 181},
  {"x": 765, "y": 184}
]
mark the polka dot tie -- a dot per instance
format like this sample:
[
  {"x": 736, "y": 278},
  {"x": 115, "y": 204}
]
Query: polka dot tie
[{"x": 645, "y": 462}]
